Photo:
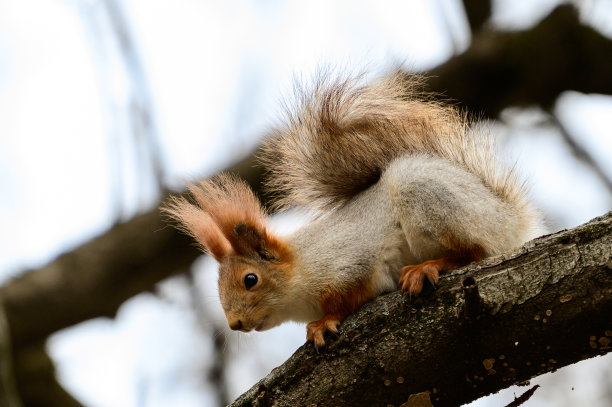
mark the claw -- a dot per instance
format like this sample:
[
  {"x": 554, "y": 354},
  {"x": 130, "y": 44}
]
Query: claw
[
  {"x": 412, "y": 278},
  {"x": 316, "y": 330}
]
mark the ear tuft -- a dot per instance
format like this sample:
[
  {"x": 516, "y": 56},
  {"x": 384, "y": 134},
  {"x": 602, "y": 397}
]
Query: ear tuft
[
  {"x": 228, "y": 219},
  {"x": 193, "y": 221},
  {"x": 229, "y": 201}
]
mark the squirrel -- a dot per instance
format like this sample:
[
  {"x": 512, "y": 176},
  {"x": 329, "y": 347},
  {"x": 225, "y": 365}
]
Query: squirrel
[{"x": 404, "y": 189}]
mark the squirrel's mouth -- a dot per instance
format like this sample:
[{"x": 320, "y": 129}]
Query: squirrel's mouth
[{"x": 260, "y": 326}]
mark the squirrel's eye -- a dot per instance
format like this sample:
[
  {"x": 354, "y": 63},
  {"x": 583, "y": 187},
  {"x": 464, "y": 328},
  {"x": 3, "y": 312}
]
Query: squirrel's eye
[{"x": 250, "y": 280}]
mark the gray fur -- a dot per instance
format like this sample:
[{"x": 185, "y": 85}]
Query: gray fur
[
  {"x": 436, "y": 200},
  {"x": 419, "y": 201}
]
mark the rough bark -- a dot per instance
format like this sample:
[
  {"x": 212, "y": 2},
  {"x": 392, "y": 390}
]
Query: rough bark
[{"x": 543, "y": 306}]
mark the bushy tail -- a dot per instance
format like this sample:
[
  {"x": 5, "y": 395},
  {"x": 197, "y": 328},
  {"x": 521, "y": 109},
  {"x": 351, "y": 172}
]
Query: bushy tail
[{"x": 341, "y": 135}]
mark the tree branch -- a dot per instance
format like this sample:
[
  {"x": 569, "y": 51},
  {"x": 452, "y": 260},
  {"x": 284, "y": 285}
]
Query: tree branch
[
  {"x": 94, "y": 279},
  {"x": 546, "y": 305},
  {"x": 9, "y": 395},
  {"x": 581, "y": 153},
  {"x": 40, "y": 387},
  {"x": 525, "y": 68},
  {"x": 477, "y": 12}
]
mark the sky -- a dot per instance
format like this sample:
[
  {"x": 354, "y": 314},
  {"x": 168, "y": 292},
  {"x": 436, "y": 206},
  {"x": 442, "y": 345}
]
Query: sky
[{"x": 215, "y": 72}]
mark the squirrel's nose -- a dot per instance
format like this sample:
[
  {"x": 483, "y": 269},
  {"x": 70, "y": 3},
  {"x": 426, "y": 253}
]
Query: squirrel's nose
[{"x": 236, "y": 325}]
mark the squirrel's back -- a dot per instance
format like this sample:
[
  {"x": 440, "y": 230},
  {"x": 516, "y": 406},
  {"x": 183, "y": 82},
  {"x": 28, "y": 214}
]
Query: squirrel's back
[{"x": 341, "y": 134}]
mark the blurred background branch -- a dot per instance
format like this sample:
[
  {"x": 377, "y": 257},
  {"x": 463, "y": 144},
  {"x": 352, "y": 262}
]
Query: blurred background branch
[
  {"x": 526, "y": 68},
  {"x": 478, "y": 12}
]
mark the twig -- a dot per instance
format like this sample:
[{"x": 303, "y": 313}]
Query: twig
[{"x": 523, "y": 397}]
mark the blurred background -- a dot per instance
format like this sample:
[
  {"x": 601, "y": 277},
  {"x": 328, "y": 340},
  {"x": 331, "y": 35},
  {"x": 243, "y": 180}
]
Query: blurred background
[{"x": 107, "y": 105}]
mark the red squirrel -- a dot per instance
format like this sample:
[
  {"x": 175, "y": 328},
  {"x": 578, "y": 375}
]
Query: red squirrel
[{"x": 404, "y": 190}]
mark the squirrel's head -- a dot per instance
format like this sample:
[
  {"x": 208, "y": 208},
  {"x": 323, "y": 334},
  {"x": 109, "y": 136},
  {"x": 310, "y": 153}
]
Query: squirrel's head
[
  {"x": 252, "y": 284},
  {"x": 254, "y": 265}
]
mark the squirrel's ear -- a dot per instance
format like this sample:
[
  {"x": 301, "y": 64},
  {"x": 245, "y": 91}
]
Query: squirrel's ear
[
  {"x": 250, "y": 241},
  {"x": 197, "y": 223},
  {"x": 228, "y": 219}
]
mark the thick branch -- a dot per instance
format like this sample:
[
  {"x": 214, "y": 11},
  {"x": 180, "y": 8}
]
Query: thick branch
[
  {"x": 547, "y": 305},
  {"x": 94, "y": 279}
]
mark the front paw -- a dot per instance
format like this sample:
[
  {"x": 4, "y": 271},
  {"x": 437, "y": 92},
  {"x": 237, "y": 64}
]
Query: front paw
[
  {"x": 412, "y": 277},
  {"x": 316, "y": 330}
]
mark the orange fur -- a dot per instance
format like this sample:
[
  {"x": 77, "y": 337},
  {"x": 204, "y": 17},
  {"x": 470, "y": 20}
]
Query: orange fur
[
  {"x": 413, "y": 276},
  {"x": 337, "y": 305},
  {"x": 226, "y": 202},
  {"x": 229, "y": 201},
  {"x": 200, "y": 226}
]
